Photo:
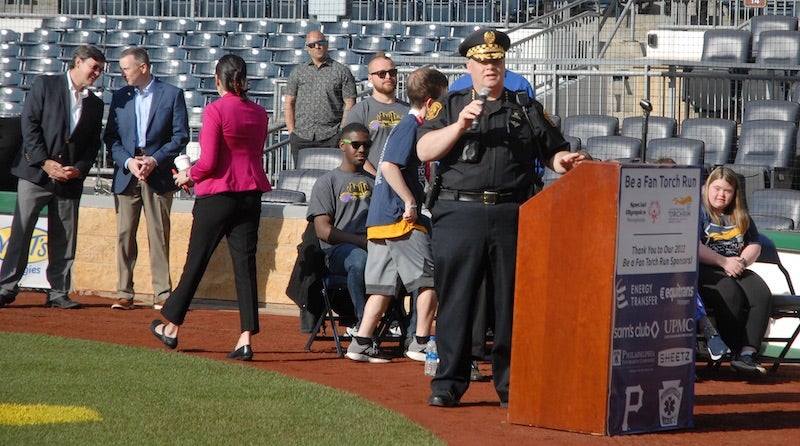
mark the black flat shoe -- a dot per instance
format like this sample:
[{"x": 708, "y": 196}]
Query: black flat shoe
[
  {"x": 443, "y": 400},
  {"x": 171, "y": 343},
  {"x": 62, "y": 302},
  {"x": 243, "y": 353}
]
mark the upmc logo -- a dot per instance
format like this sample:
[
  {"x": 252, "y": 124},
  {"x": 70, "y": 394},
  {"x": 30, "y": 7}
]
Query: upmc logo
[{"x": 38, "y": 247}]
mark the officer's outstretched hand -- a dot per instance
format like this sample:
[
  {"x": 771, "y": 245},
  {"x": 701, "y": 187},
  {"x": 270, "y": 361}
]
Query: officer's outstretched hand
[{"x": 564, "y": 161}]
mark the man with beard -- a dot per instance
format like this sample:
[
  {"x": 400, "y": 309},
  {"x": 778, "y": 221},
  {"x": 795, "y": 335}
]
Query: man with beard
[{"x": 381, "y": 111}]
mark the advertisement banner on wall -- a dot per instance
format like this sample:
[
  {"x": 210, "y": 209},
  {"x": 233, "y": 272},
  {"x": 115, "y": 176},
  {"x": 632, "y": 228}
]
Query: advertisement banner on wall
[
  {"x": 652, "y": 358},
  {"x": 36, "y": 272}
]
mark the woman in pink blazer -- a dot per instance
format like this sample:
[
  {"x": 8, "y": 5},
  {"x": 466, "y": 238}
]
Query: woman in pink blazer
[{"x": 228, "y": 181}]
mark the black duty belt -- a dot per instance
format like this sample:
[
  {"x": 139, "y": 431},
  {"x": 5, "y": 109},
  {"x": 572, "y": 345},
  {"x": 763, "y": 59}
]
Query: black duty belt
[{"x": 485, "y": 197}]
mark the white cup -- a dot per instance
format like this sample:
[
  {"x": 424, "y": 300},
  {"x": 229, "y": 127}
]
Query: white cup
[{"x": 182, "y": 162}]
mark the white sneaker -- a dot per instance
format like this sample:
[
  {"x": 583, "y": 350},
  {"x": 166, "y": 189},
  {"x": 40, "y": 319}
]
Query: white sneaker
[{"x": 351, "y": 331}]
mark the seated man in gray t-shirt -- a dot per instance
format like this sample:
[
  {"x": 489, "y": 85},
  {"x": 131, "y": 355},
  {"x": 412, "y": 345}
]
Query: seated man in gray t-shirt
[{"x": 338, "y": 209}]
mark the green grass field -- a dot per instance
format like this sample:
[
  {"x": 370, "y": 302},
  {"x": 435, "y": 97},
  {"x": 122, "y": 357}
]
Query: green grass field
[{"x": 117, "y": 395}]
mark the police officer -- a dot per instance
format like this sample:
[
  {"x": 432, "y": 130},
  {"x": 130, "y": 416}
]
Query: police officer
[{"x": 487, "y": 171}]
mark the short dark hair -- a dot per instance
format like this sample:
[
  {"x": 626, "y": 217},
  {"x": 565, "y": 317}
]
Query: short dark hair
[
  {"x": 424, "y": 83},
  {"x": 355, "y": 127},
  {"x": 84, "y": 52},
  {"x": 139, "y": 54}
]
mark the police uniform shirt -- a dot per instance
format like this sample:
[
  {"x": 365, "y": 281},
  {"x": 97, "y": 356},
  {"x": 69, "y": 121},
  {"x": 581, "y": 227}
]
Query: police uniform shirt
[{"x": 508, "y": 145}]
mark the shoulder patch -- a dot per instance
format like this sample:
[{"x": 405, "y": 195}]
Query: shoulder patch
[{"x": 433, "y": 111}]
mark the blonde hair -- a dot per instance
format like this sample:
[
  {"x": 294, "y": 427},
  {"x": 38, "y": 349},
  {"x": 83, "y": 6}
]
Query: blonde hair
[{"x": 737, "y": 210}]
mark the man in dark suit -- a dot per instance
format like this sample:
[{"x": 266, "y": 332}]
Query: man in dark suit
[
  {"x": 61, "y": 123},
  {"x": 147, "y": 128}
]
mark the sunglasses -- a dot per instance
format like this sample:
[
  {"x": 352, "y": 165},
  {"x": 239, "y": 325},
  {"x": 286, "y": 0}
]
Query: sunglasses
[
  {"x": 357, "y": 144},
  {"x": 319, "y": 43},
  {"x": 382, "y": 73}
]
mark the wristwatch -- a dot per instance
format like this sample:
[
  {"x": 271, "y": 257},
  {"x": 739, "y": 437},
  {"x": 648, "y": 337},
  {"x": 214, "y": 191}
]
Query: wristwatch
[{"x": 743, "y": 262}]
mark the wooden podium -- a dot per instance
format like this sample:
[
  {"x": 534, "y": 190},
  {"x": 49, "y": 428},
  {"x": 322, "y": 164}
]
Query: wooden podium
[{"x": 567, "y": 295}]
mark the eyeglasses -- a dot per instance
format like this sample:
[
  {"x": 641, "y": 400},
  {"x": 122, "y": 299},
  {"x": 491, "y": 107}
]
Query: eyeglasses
[
  {"x": 319, "y": 43},
  {"x": 357, "y": 144},
  {"x": 382, "y": 73}
]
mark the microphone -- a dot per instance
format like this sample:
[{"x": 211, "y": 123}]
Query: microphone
[{"x": 483, "y": 95}]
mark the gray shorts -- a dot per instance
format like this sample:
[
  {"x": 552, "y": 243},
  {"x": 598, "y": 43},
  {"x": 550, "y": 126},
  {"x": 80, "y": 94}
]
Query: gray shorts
[{"x": 408, "y": 258}]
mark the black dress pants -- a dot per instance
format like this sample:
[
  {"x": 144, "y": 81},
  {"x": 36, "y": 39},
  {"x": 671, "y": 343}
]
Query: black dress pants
[
  {"x": 472, "y": 240},
  {"x": 235, "y": 215}
]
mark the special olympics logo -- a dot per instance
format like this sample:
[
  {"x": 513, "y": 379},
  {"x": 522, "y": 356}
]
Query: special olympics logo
[{"x": 654, "y": 210}]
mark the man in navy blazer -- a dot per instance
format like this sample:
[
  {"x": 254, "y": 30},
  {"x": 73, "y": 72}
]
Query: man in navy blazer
[
  {"x": 61, "y": 123},
  {"x": 147, "y": 128}
]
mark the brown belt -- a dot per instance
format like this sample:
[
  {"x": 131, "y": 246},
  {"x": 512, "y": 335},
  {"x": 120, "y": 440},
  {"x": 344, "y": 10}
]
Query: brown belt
[{"x": 485, "y": 197}]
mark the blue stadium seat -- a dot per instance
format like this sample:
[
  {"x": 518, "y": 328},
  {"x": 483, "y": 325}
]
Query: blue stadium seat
[
  {"x": 162, "y": 40},
  {"x": 257, "y": 70},
  {"x": 166, "y": 53},
  {"x": 77, "y": 38},
  {"x": 683, "y": 151},
  {"x": 122, "y": 38},
  {"x": 285, "y": 42},
  {"x": 371, "y": 44},
  {"x": 180, "y": 26},
  {"x": 297, "y": 28},
  {"x": 391, "y": 30},
  {"x": 264, "y": 27},
  {"x": 139, "y": 24},
  {"x": 218, "y": 26},
  {"x": 244, "y": 40},
  {"x": 206, "y": 69},
  {"x": 61, "y": 23},
  {"x": 8, "y": 35},
  {"x": 205, "y": 54},
  {"x": 11, "y": 94},
  {"x": 99, "y": 24},
  {"x": 10, "y": 109},
  {"x": 254, "y": 54},
  {"x": 184, "y": 81},
  {"x": 414, "y": 46},
  {"x": 38, "y": 36},
  {"x": 289, "y": 57},
  {"x": 171, "y": 67},
  {"x": 41, "y": 51},
  {"x": 203, "y": 40},
  {"x": 345, "y": 57},
  {"x": 718, "y": 136},
  {"x": 341, "y": 29},
  {"x": 9, "y": 50}
]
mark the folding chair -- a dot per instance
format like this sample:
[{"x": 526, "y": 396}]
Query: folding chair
[{"x": 783, "y": 305}]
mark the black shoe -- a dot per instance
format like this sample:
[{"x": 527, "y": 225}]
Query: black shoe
[
  {"x": 171, "y": 343},
  {"x": 6, "y": 299},
  {"x": 62, "y": 302},
  {"x": 243, "y": 353},
  {"x": 475, "y": 374},
  {"x": 443, "y": 400}
]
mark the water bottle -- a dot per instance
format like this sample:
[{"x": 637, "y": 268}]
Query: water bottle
[{"x": 431, "y": 357}]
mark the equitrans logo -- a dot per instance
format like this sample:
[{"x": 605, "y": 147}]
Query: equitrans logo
[{"x": 38, "y": 247}]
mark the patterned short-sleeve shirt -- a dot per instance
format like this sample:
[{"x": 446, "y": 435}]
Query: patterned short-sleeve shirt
[{"x": 320, "y": 93}]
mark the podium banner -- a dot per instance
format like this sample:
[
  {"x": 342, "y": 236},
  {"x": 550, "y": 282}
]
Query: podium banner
[{"x": 653, "y": 337}]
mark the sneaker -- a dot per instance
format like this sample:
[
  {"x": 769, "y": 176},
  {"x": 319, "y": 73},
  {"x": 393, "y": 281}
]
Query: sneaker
[
  {"x": 748, "y": 364},
  {"x": 716, "y": 347},
  {"x": 123, "y": 304},
  {"x": 366, "y": 353},
  {"x": 351, "y": 331},
  {"x": 416, "y": 351}
]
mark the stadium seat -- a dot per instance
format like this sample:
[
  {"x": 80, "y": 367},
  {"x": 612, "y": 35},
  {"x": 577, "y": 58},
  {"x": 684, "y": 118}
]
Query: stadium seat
[
  {"x": 657, "y": 127},
  {"x": 9, "y": 78},
  {"x": 431, "y": 31},
  {"x": 776, "y": 202},
  {"x": 122, "y": 38},
  {"x": 51, "y": 50},
  {"x": 389, "y": 30},
  {"x": 341, "y": 29},
  {"x": 244, "y": 40},
  {"x": 325, "y": 158},
  {"x": 372, "y": 44},
  {"x": 414, "y": 46},
  {"x": 718, "y": 136},
  {"x": 587, "y": 126},
  {"x": 178, "y": 26},
  {"x": 184, "y": 81},
  {"x": 61, "y": 23},
  {"x": 219, "y": 26},
  {"x": 203, "y": 40},
  {"x": 716, "y": 92},
  {"x": 163, "y": 40},
  {"x": 194, "y": 99},
  {"x": 345, "y": 57},
  {"x": 253, "y": 54},
  {"x": 778, "y": 47},
  {"x": 9, "y": 50},
  {"x": 614, "y": 147},
  {"x": 167, "y": 53},
  {"x": 210, "y": 54},
  {"x": 297, "y": 28},
  {"x": 8, "y": 35},
  {"x": 771, "y": 109},
  {"x": 9, "y": 64},
  {"x": 683, "y": 151},
  {"x": 285, "y": 42},
  {"x": 293, "y": 186},
  {"x": 139, "y": 24},
  {"x": 10, "y": 109},
  {"x": 170, "y": 67},
  {"x": 77, "y": 38},
  {"x": 99, "y": 24},
  {"x": 289, "y": 57},
  {"x": 262, "y": 86},
  {"x": 257, "y": 70},
  {"x": 773, "y": 160},
  {"x": 39, "y": 36},
  {"x": 11, "y": 94},
  {"x": 768, "y": 22},
  {"x": 263, "y": 27}
]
